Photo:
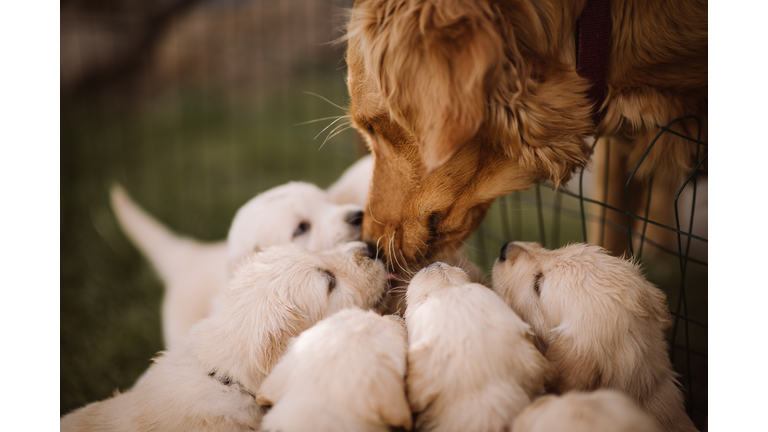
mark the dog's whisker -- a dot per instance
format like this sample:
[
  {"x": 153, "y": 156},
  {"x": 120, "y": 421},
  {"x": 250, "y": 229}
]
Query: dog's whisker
[
  {"x": 320, "y": 119},
  {"x": 371, "y": 212},
  {"x": 325, "y": 99},
  {"x": 326, "y": 128},
  {"x": 331, "y": 134},
  {"x": 336, "y": 131}
]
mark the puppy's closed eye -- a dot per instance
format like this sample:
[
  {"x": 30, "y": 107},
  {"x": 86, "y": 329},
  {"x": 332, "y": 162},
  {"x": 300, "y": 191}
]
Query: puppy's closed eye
[
  {"x": 331, "y": 281},
  {"x": 537, "y": 283},
  {"x": 301, "y": 229}
]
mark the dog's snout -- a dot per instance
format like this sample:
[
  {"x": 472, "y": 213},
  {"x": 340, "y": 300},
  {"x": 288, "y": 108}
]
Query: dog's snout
[
  {"x": 354, "y": 218},
  {"x": 371, "y": 250}
]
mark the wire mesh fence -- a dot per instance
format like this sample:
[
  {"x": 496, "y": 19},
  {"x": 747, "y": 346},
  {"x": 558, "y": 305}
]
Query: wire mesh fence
[{"x": 563, "y": 216}]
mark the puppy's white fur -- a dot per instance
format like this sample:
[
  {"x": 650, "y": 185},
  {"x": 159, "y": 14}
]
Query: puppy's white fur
[
  {"x": 347, "y": 373},
  {"x": 273, "y": 217},
  {"x": 600, "y": 323},
  {"x": 194, "y": 271},
  {"x": 208, "y": 382},
  {"x": 471, "y": 363},
  {"x": 599, "y": 411},
  {"x": 352, "y": 187}
]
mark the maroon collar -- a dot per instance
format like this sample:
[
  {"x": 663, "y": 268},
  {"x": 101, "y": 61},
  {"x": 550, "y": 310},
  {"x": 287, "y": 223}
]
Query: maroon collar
[{"x": 593, "y": 33}]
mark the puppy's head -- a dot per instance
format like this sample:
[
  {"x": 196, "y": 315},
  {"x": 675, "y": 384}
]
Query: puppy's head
[
  {"x": 460, "y": 102},
  {"x": 595, "y": 316},
  {"x": 349, "y": 369},
  {"x": 434, "y": 277},
  {"x": 468, "y": 352},
  {"x": 297, "y": 213},
  {"x": 278, "y": 293},
  {"x": 599, "y": 411}
]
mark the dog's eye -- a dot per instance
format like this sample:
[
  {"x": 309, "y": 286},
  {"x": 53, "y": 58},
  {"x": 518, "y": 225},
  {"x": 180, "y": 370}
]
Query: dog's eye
[
  {"x": 434, "y": 222},
  {"x": 537, "y": 282},
  {"x": 301, "y": 229},
  {"x": 370, "y": 130},
  {"x": 331, "y": 281}
]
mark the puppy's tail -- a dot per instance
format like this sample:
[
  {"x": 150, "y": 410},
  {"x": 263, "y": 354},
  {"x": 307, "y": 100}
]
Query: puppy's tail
[{"x": 162, "y": 247}]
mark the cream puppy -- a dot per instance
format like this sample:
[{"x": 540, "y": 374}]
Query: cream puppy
[
  {"x": 598, "y": 321},
  {"x": 208, "y": 382},
  {"x": 194, "y": 271},
  {"x": 471, "y": 363},
  {"x": 347, "y": 373},
  {"x": 599, "y": 411},
  {"x": 352, "y": 187}
]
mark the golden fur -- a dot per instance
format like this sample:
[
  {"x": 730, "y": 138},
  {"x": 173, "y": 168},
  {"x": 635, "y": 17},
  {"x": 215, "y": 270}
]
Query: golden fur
[
  {"x": 347, "y": 373},
  {"x": 598, "y": 321},
  {"x": 209, "y": 380},
  {"x": 471, "y": 363},
  {"x": 462, "y": 102},
  {"x": 599, "y": 411}
]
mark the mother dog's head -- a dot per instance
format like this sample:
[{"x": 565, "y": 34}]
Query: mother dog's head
[{"x": 461, "y": 103}]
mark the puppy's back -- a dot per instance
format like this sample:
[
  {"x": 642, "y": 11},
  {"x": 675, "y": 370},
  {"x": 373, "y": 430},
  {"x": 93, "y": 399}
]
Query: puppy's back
[{"x": 600, "y": 411}]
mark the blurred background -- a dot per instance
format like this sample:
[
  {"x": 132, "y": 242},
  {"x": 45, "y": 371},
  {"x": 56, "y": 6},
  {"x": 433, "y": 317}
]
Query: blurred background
[{"x": 195, "y": 107}]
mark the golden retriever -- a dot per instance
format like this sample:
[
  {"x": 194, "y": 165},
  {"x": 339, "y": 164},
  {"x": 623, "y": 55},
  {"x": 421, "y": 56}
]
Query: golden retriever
[
  {"x": 195, "y": 271},
  {"x": 599, "y": 322},
  {"x": 472, "y": 365},
  {"x": 209, "y": 381},
  {"x": 462, "y": 102},
  {"x": 347, "y": 373},
  {"x": 598, "y": 411}
]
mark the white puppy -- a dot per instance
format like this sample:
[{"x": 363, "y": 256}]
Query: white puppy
[
  {"x": 347, "y": 373},
  {"x": 208, "y": 382},
  {"x": 352, "y": 187},
  {"x": 194, "y": 271},
  {"x": 471, "y": 363},
  {"x": 598, "y": 320},
  {"x": 599, "y": 411}
]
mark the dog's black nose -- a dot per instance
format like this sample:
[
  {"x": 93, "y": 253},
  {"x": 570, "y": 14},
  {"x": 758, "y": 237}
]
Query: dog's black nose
[
  {"x": 370, "y": 250},
  {"x": 354, "y": 218},
  {"x": 503, "y": 255},
  {"x": 510, "y": 251}
]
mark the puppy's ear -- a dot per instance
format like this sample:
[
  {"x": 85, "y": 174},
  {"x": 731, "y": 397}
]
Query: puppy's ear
[
  {"x": 434, "y": 63},
  {"x": 579, "y": 366},
  {"x": 286, "y": 322}
]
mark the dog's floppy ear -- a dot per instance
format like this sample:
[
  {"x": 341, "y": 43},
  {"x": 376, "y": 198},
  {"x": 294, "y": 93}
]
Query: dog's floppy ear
[
  {"x": 286, "y": 322},
  {"x": 578, "y": 366},
  {"x": 434, "y": 62}
]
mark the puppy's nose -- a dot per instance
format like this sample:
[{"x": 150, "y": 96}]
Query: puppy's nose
[
  {"x": 354, "y": 218},
  {"x": 370, "y": 250},
  {"x": 510, "y": 251},
  {"x": 503, "y": 255}
]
